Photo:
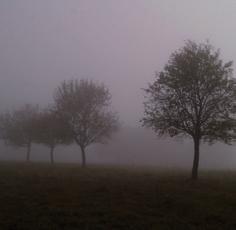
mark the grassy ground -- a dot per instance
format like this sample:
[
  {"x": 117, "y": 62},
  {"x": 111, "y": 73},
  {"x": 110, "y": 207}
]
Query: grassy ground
[{"x": 39, "y": 196}]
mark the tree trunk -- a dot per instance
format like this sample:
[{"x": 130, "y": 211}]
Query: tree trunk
[
  {"x": 28, "y": 152},
  {"x": 51, "y": 154},
  {"x": 83, "y": 157},
  {"x": 195, "y": 159}
]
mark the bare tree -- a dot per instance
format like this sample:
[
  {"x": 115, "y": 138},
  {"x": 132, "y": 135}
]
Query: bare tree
[
  {"x": 84, "y": 105},
  {"x": 51, "y": 131},
  {"x": 195, "y": 95},
  {"x": 18, "y": 127}
]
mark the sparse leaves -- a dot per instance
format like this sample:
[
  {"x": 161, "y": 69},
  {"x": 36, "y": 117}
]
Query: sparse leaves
[
  {"x": 195, "y": 95},
  {"x": 51, "y": 130},
  {"x": 84, "y": 105},
  {"x": 18, "y": 128}
]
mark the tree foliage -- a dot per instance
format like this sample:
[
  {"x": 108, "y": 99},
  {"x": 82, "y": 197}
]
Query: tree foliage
[
  {"x": 18, "y": 127},
  {"x": 51, "y": 131},
  {"x": 194, "y": 95},
  {"x": 84, "y": 105}
]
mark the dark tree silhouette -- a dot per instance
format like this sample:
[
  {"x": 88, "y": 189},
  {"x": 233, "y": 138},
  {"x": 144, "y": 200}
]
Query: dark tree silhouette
[
  {"x": 194, "y": 95},
  {"x": 84, "y": 105},
  {"x": 18, "y": 127},
  {"x": 51, "y": 131}
]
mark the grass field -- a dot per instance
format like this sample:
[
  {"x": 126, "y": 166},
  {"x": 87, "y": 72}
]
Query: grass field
[{"x": 40, "y": 196}]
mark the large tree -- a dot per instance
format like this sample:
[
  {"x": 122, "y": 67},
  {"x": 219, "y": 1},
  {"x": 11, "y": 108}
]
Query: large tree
[
  {"x": 194, "y": 95},
  {"x": 18, "y": 127},
  {"x": 84, "y": 105},
  {"x": 51, "y": 130}
]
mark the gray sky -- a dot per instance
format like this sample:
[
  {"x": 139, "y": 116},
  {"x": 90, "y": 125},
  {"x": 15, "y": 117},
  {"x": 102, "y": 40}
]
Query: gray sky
[
  {"x": 118, "y": 42},
  {"x": 121, "y": 43}
]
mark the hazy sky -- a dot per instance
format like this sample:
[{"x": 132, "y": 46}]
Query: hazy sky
[{"x": 118, "y": 42}]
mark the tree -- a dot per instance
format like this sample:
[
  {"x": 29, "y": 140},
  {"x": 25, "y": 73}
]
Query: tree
[
  {"x": 84, "y": 105},
  {"x": 6, "y": 125},
  {"x": 18, "y": 127},
  {"x": 51, "y": 131},
  {"x": 195, "y": 96}
]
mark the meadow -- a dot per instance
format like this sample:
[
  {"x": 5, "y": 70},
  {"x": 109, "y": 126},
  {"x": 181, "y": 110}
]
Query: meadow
[{"x": 66, "y": 196}]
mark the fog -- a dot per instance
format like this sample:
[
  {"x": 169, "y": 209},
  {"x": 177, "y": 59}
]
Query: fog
[{"x": 120, "y": 43}]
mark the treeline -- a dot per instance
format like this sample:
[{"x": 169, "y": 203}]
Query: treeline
[
  {"x": 80, "y": 114},
  {"x": 194, "y": 96}
]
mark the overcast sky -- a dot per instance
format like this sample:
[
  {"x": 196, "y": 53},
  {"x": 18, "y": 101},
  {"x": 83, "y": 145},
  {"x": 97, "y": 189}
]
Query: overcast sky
[{"x": 118, "y": 42}]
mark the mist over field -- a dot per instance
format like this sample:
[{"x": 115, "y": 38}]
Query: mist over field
[
  {"x": 135, "y": 147},
  {"x": 119, "y": 43}
]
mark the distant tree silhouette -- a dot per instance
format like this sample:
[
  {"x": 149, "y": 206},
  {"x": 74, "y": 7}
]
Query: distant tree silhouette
[
  {"x": 51, "y": 131},
  {"x": 18, "y": 127},
  {"x": 194, "y": 95},
  {"x": 84, "y": 105}
]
